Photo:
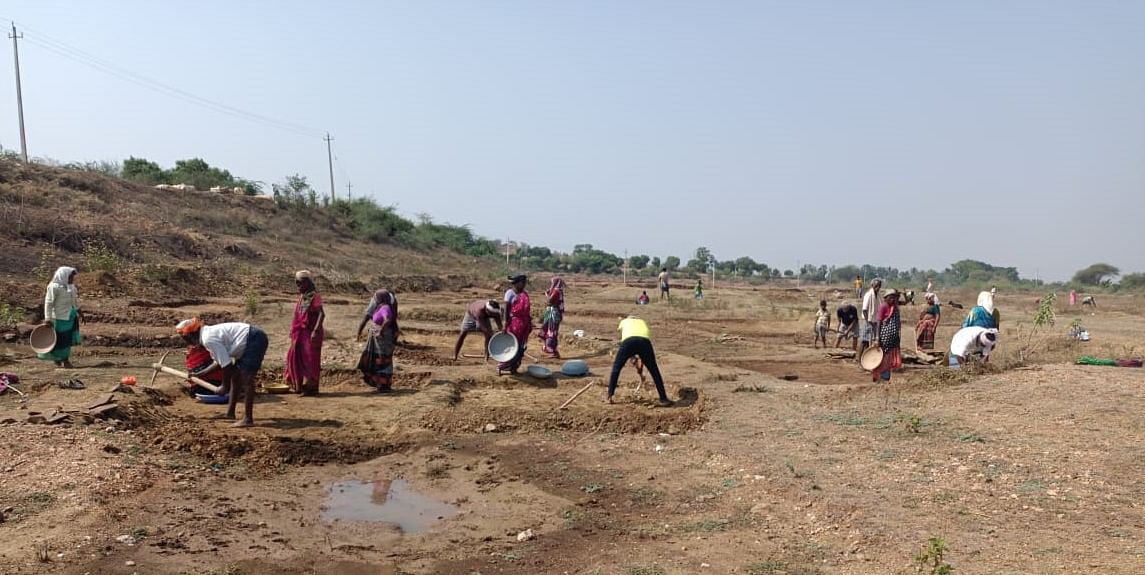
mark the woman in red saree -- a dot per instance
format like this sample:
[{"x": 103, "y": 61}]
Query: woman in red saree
[
  {"x": 927, "y": 324},
  {"x": 518, "y": 321},
  {"x": 304, "y": 357},
  {"x": 551, "y": 320}
]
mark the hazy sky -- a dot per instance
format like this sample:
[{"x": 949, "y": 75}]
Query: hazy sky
[{"x": 905, "y": 133}]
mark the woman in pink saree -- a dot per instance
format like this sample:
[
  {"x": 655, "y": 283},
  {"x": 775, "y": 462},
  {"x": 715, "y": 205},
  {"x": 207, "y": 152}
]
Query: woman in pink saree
[
  {"x": 518, "y": 321},
  {"x": 304, "y": 357}
]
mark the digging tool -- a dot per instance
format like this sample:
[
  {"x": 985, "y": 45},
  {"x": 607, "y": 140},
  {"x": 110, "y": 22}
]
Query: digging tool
[
  {"x": 159, "y": 367},
  {"x": 155, "y": 373},
  {"x": 577, "y": 394}
]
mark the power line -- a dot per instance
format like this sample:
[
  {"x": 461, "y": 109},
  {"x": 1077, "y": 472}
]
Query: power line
[{"x": 75, "y": 54}]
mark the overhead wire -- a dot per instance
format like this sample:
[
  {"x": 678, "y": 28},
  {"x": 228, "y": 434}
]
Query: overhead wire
[{"x": 77, "y": 55}]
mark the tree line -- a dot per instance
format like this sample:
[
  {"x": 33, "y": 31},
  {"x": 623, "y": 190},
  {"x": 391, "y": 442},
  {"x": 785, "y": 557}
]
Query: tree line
[{"x": 372, "y": 222}]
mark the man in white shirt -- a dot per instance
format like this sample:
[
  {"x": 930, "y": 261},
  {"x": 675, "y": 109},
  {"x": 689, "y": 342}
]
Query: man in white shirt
[
  {"x": 237, "y": 349},
  {"x": 664, "y": 284},
  {"x": 972, "y": 342},
  {"x": 868, "y": 327}
]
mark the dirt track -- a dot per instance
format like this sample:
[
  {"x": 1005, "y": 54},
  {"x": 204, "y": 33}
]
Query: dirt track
[{"x": 1033, "y": 470}]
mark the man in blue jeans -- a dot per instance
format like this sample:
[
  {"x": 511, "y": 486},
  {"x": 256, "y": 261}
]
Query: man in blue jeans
[
  {"x": 237, "y": 349},
  {"x": 636, "y": 341}
]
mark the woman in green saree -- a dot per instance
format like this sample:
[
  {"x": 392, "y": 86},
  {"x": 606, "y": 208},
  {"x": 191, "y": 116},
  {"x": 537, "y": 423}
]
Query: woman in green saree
[{"x": 62, "y": 313}]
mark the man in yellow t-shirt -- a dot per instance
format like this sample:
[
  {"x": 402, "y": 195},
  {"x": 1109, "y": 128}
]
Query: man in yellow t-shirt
[{"x": 636, "y": 341}]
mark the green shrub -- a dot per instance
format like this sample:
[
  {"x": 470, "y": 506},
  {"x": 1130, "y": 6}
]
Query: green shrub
[
  {"x": 98, "y": 257},
  {"x": 10, "y": 316}
]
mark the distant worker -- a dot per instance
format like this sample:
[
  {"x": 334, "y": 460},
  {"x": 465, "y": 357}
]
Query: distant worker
[
  {"x": 479, "y": 317},
  {"x": 304, "y": 356},
  {"x": 551, "y": 318},
  {"x": 927, "y": 325},
  {"x": 636, "y": 341},
  {"x": 643, "y": 298},
  {"x": 822, "y": 324},
  {"x": 381, "y": 297},
  {"x": 236, "y": 348},
  {"x": 377, "y": 359},
  {"x": 972, "y": 342},
  {"x": 698, "y": 292},
  {"x": 870, "y": 316},
  {"x": 664, "y": 287},
  {"x": 982, "y": 315},
  {"x": 518, "y": 321},
  {"x": 62, "y": 313},
  {"x": 889, "y": 337},
  {"x": 848, "y": 316},
  {"x": 859, "y": 287}
]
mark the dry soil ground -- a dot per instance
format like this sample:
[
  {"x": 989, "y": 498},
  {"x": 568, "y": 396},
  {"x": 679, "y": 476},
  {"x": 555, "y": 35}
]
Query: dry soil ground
[{"x": 1034, "y": 469}]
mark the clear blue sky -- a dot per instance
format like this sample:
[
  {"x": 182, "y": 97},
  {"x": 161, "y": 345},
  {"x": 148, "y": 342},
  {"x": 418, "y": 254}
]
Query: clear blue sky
[{"x": 905, "y": 133}]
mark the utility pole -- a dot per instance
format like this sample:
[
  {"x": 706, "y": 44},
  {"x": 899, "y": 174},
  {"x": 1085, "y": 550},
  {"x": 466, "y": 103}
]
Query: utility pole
[
  {"x": 19, "y": 94},
  {"x": 507, "y": 256},
  {"x": 330, "y": 162},
  {"x": 626, "y": 267},
  {"x": 349, "y": 191}
]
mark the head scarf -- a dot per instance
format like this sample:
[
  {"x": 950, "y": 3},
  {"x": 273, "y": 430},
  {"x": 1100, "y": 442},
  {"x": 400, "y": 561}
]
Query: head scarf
[
  {"x": 984, "y": 337},
  {"x": 61, "y": 276},
  {"x": 384, "y": 297},
  {"x": 986, "y": 301},
  {"x": 557, "y": 284},
  {"x": 303, "y": 274},
  {"x": 189, "y": 326},
  {"x": 307, "y": 288}
]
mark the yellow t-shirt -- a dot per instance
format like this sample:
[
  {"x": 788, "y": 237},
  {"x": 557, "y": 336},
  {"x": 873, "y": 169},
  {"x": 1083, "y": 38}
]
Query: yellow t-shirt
[{"x": 633, "y": 327}]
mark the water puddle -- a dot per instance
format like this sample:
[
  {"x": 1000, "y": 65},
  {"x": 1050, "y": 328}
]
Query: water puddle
[{"x": 385, "y": 502}]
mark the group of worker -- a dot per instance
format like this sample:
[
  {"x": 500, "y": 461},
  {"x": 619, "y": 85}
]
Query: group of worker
[
  {"x": 866, "y": 327},
  {"x": 231, "y": 354}
]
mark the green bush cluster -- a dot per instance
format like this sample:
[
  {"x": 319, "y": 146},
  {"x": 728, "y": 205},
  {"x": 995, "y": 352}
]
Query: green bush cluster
[{"x": 195, "y": 172}]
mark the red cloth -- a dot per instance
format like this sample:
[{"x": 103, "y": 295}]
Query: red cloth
[
  {"x": 197, "y": 358},
  {"x": 521, "y": 317},
  {"x": 304, "y": 356}
]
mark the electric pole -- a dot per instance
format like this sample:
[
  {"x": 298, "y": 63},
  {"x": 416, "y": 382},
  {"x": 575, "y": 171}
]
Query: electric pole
[
  {"x": 19, "y": 94},
  {"x": 349, "y": 191},
  {"x": 625, "y": 267},
  {"x": 330, "y": 162}
]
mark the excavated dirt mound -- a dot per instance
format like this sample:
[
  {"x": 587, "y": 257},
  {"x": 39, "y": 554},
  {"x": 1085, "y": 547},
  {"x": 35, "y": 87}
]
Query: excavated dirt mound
[
  {"x": 641, "y": 418},
  {"x": 264, "y": 452}
]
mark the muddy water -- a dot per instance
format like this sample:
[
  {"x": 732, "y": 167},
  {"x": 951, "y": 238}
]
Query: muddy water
[{"x": 384, "y": 502}]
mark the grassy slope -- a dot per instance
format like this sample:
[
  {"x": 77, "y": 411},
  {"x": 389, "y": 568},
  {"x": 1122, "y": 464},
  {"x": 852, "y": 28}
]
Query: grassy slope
[{"x": 189, "y": 243}]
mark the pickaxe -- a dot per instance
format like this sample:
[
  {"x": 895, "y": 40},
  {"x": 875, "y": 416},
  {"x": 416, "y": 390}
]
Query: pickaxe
[{"x": 159, "y": 367}]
